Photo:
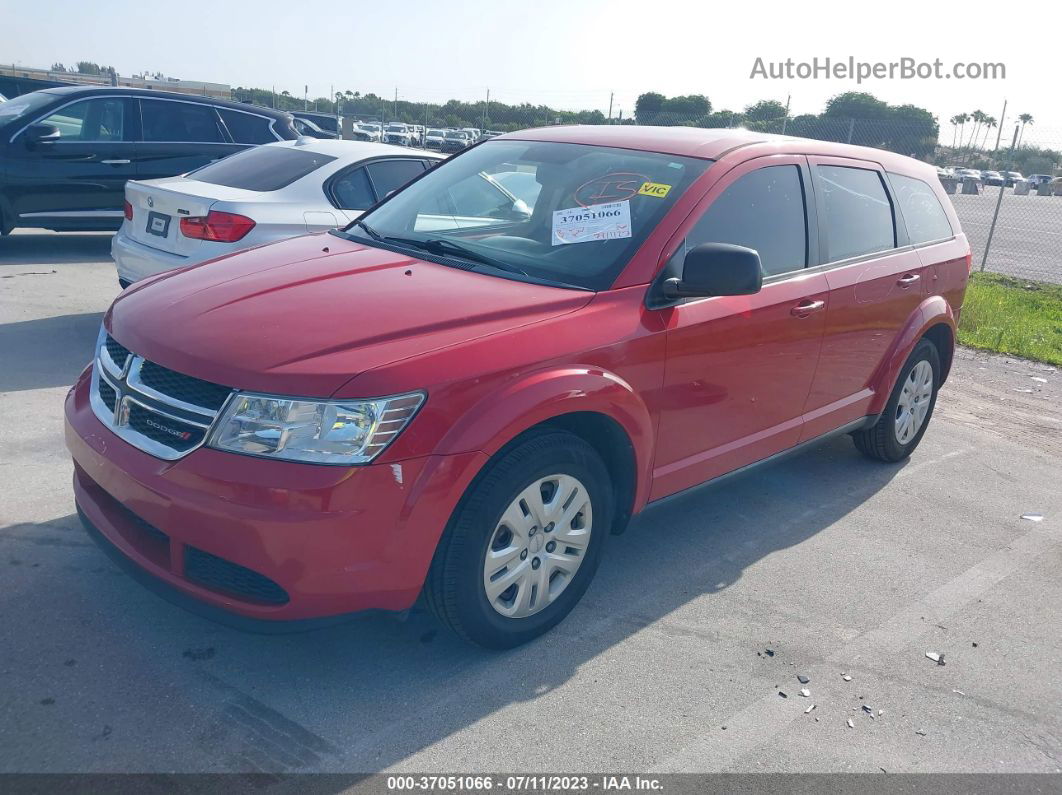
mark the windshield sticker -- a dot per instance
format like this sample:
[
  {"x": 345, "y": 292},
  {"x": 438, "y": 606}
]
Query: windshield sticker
[
  {"x": 657, "y": 190},
  {"x": 615, "y": 187},
  {"x": 585, "y": 224}
]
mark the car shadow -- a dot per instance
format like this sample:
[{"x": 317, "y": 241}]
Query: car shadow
[
  {"x": 46, "y": 352},
  {"x": 29, "y": 250},
  {"x": 377, "y": 690}
]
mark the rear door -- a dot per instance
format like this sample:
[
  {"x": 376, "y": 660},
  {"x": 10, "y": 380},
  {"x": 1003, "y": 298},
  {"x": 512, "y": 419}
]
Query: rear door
[
  {"x": 876, "y": 282},
  {"x": 739, "y": 368},
  {"x": 179, "y": 136},
  {"x": 80, "y": 176}
]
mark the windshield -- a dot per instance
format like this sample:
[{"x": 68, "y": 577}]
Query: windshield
[
  {"x": 435, "y": 132},
  {"x": 24, "y": 105},
  {"x": 589, "y": 210}
]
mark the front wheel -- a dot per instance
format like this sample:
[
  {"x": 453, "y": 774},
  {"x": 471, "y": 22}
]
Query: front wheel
[
  {"x": 524, "y": 544},
  {"x": 902, "y": 424}
]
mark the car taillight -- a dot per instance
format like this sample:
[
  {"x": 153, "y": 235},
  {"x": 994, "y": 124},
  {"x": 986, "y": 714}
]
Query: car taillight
[
  {"x": 969, "y": 263},
  {"x": 128, "y": 210},
  {"x": 218, "y": 226}
]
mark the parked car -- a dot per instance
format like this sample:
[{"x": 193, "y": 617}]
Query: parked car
[
  {"x": 66, "y": 153},
  {"x": 433, "y": 139},
  {"x": 341, "y": 422},
  {"x": 374, "y": 131},
  {"x": 992, "y": 178},
  {"x": 308, "y": 128},
  {"x": 1036, "y": 180},
  {"x": 265, "y": 194},
  {"x": 963, "y": 174},
  {"x": 453, "y": 141},
  {"x": 398, "y": 134},
  {"x": 1056, "y": 186},
  {"x": 325, "y": 121},
  {"x": 1012, "y": 178}
]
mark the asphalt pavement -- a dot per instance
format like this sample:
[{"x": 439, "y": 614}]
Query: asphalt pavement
[{"x": 824, "y": 566}]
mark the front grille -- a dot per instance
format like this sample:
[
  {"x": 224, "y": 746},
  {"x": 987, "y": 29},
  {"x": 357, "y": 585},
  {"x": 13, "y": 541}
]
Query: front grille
[
  {"x": 183, "y": 387},
  {"x": 223, "y": 575},
  {"x": 119, "y": 353},
  {"x": 164, "y": 430},
  {"x": 107, "y": 394},
  {"x": 162, "y": 412}
]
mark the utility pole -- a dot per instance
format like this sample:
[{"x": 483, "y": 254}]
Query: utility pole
[
  {"x": 1002, "y": 118},
  {"x": 396, "y": 104},
  {"x": 999, "y": 200},
  {"x": 273, "y": 96},
  {"x": 305, "y": 97},
  {"x": 611, "y": 95},
  {"x": 785, "y": 120},
  {"x": 486, "y": 111}
]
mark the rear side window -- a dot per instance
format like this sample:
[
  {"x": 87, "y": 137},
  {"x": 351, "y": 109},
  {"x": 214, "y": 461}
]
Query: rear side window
[
  {"x": 263, "y": 168},
  {"x": 922, "y": 212},
  {"x": 389, "y": 175},
  {"x": 179, "y": 122},
  {"x": 764, "y": 210},
  {"x": 246, "y": 128},
  {"x": 352, "y": 190},
  {"x": 856, "y": 211}
]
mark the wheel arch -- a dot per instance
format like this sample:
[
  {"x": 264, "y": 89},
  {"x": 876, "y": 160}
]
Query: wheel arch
[
  {"x": 933, "y": 319},
  {"x": 592, "y": 404}
]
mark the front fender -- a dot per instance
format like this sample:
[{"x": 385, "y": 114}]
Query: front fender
[
  {"x": 540, "y": 396},
  {"x": 933, "y": 311}
]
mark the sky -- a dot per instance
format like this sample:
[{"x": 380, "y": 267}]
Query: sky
[{"x": 570, "y": 54}]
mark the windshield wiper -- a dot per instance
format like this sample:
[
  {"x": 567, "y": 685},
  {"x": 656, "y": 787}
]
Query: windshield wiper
[
  {"x": 369, "y": 230},
  {"x": 442, "y": 247}
]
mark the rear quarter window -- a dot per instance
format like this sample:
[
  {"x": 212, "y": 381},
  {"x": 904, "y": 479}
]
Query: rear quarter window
[
  {"x": 923, "y": 214},
  {"x": 264, "y": 168},
  {"x": 247, "y": 128}
]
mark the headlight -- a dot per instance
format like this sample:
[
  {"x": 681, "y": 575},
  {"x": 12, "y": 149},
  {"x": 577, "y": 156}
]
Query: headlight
[{"x": 321, "y": 432}]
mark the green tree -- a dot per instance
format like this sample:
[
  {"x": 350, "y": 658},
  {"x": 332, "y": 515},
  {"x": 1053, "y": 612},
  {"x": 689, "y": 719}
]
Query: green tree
[
  {"x": 647, "y": 106},
  {"x": 856, "y": 105},
  {"x": 765, "y": 110}
]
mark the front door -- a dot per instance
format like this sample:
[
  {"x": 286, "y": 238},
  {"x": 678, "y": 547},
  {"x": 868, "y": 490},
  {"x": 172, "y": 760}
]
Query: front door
[
  {"x": 78, "y": 179},
  {"x": 739, "y": 368}
]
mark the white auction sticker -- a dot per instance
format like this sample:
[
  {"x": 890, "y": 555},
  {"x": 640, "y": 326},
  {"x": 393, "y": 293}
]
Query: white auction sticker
[{"x": 597, "y": 222}]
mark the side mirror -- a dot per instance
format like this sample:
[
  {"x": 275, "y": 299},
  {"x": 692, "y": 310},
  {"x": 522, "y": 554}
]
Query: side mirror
[
  {"x": 716, "y": 269},
  {"x": 41, "y": 133}
]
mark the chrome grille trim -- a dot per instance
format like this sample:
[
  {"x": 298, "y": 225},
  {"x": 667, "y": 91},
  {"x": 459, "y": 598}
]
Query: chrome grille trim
[{"x": 130, "y": 391}]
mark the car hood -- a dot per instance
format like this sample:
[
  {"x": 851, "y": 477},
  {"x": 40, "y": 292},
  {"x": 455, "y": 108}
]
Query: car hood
[{"x": 303, "y": 316}]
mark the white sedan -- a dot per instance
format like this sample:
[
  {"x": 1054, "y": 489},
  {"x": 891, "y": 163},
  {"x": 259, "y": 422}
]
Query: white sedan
[{"x": 256, "y": 196}]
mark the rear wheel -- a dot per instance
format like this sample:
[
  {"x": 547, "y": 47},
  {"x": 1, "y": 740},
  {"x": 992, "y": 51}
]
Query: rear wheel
[
  {"x": 524, "y": 544},
  {"x": 902, "y": 424}
]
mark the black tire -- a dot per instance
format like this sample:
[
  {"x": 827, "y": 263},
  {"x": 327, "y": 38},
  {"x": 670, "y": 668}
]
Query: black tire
[
  {"x": 879, "y": 441},
  {"x": 454, "y": 588}
]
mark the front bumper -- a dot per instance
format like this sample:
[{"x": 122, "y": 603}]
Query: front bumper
[{"x": 268, "y": 541}]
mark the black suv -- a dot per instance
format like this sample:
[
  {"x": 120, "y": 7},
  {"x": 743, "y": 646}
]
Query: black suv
[{"x": 66, "y": 153}]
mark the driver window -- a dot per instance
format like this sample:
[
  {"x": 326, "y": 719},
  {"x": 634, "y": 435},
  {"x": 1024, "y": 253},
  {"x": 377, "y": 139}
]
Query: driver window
[{"x": 100, "y": 119}]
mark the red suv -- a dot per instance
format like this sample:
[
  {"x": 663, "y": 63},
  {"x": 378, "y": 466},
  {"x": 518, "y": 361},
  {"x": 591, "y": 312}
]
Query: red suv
[{"x": 465, "y": 392}]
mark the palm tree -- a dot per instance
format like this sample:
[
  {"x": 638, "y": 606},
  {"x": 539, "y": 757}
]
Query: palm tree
[
  {"x": 978, "y": 117},
  {"x": 954, "y": 122},
  {"x": 990, "y": 122},
  {"x": 1025, "y": 118},
  {"x": 963, "y": 118}
]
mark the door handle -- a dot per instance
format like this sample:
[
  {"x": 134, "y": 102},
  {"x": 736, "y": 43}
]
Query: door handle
[
  {"x": 116, "y": 162},
  {"x": 908, "y": 279},
  {"x": 806, "y": 307}
]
